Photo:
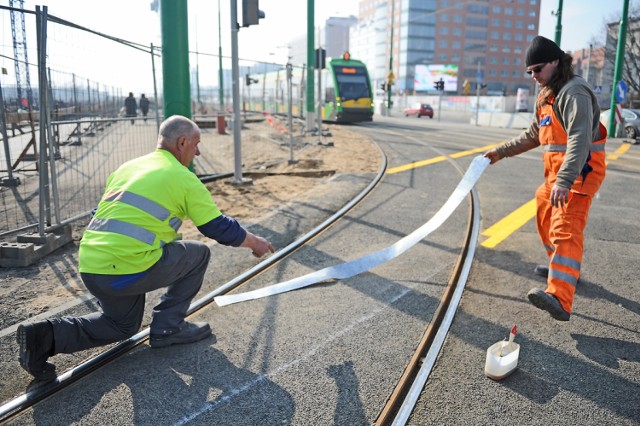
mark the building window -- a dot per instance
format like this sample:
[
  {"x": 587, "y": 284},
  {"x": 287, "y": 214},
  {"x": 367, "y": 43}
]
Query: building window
[
  {"x": 532, "y": 13},
  {"x": 477, "y": 22},
  {"x": 519, "y": 25},
  {"x": 515, "y": 74},
  {"x": 517, "y": 61},
  {"x": 517, "y": 49},
  {"x": 456, "y": 45},
  {"x": 455, "y": 58},
  {"x": 520, "y": 11},
  {"x": 494, "y": 48},
  {"x": 443, "y": 44},
  {"x": 504, "y": 73},
  {"x": 444, "y": 31},
  {"x": 444, "y": 17},
  {"x": 506, "y": 36},
  {"x": 508, "y": 11},
  {"x": 457, "y": 31},
  {"x": 531, "y": 26},
  {"x": 495, "y": 35},
  {"x": 496, "y": 9},
  {"x": 507, "y": 23},
  {"x": 457, "y": 18},
  {"x": 505, "y": 61},
  {"x": 492, "y": 73},
  {"x": 493, "y": 60},
  {"x": 495, "y": 22},
  {"x": 442, "y": 57},
  {"x": 506, "y": 48}
]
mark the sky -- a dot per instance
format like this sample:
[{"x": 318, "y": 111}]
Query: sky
[{"x": 134, "y": 21}]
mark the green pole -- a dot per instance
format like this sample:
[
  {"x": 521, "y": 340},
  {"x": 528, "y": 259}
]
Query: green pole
[
  {"x": 311, "y": 61},
  {"x": 559, "y": 23},
  {"x": 220, "y": 76},
  {"x": 617, "y": 74},
  {"x": 175, "y": 58},
  {"x": 389, "y": 86}
]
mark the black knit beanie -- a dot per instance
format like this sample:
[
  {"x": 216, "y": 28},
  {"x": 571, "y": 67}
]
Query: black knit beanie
[{"x": 543, "y": 50}]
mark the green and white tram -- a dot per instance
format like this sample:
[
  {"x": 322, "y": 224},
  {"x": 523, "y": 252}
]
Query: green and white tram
[{"x": 348, "y": 95}]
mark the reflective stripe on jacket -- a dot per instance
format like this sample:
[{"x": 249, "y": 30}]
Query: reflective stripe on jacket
[
  {"x": 144, "y": 205},
  {"x": 553, "y": 138}
]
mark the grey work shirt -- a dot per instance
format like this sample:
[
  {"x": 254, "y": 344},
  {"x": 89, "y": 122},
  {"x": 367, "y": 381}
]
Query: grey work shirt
[{"x": 577, "y": 110}]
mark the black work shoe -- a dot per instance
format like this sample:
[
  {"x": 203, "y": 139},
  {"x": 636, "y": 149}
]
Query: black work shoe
[
  {"x": 548, "y": 302},
  {"x": 191, "y": 332},
  {"x": 541, "y": 270},
  {"x": 36, "y": 346}
]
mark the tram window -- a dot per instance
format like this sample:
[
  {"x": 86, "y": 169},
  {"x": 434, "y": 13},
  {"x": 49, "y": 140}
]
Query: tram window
[{"x": 329, "y": 94}]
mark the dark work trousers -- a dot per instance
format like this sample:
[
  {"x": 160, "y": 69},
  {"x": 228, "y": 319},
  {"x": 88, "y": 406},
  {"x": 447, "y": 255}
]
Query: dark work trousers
[{"x": 181, "y": 269}]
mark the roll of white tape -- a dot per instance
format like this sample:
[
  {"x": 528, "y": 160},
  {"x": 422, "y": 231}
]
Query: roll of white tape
[{"x": 364, "y": 263}]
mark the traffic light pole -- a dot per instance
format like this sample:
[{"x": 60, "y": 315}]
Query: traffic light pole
[
  {"x": 622, "y": 37},
  {"x": 390, "y": 59},
  {"x": 235, "y": 77},
  {"x": 310, "y": 63},
  {"x": 559, "y": 23}
]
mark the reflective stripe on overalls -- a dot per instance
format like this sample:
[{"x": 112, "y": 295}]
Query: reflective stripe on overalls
[
  {"x": 561, "y": 230},
  {"x": 128, "y": 229}
]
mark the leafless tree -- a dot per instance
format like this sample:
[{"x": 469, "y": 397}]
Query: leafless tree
[{"x": 631, "y": 63}]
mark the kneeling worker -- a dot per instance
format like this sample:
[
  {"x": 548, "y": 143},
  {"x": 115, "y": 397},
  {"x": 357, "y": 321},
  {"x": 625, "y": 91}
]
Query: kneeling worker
[{"x": 129, "y": 249}]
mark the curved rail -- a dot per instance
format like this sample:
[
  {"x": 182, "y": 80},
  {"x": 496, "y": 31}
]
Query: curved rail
[
  {"x": 404, "y": 397},
  {"x": 22, "y": 402}
]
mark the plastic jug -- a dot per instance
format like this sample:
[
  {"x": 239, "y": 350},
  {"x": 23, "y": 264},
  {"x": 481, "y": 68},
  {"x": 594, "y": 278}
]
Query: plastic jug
[{"x": 502, "y": 358}]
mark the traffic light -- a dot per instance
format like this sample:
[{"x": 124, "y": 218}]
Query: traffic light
[
  {"x": 251, "y": 13},
  {"x": 321, "y": 57},
  {"x": 439, "y": 85},
  {"x": 248, "y": 81},
  {"x": 383, "y": 86},
  {"x": 467, "y": 87}
]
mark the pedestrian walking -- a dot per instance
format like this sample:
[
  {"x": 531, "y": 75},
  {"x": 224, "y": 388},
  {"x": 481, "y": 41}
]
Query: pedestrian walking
[
  {"x": 131, "y": 106},
  {"x": 144, "y": 106},
  {"x": 567, "y": 125},
  {"x": 130, "y": 248}
]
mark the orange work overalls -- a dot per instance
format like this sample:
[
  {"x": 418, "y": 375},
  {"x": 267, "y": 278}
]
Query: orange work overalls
[{"x": 561, "y": 229}]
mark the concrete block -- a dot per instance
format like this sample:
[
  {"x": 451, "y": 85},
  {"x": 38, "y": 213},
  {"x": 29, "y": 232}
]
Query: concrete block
[{"x": 32, "y": 247}]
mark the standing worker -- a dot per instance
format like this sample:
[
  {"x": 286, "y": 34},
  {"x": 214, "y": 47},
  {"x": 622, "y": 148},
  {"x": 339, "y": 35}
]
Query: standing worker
[
  {"x": 130, "y": 106},
  {"x": 144, "y": 106},
  {"x": 130, "y": 248},
  {"x": 567, "y": 125}
]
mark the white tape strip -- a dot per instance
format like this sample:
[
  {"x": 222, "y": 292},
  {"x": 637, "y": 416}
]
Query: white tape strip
[{"x": 362, "y": 264}]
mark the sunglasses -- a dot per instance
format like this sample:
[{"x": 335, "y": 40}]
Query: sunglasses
[{"x": 537, "y": 69}]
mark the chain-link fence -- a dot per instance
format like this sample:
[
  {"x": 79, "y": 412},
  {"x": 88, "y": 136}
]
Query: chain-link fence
[{"x": 65, "y": 127}]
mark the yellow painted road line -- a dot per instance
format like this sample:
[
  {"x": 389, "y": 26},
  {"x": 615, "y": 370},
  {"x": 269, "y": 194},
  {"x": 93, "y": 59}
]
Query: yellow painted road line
[
  {"x": 618, "y": 152},
  {"x": 515, "y": 220},
  {"x": 438, "y": 159},
  {"x": 509, "y": 224}
]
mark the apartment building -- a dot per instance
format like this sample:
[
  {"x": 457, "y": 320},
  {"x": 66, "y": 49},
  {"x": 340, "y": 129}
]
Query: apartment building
[{"x": 485, "y": 39}]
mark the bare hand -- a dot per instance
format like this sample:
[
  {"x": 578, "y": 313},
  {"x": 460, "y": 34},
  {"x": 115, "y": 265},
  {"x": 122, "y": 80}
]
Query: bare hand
[
  {"x": 559, "y": 196},
  {"x": 492, "y": 155},
  {"x": 258, "y": 245}
]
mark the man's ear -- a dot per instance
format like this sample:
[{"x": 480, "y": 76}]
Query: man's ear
[{"x": 181, "y": 142}]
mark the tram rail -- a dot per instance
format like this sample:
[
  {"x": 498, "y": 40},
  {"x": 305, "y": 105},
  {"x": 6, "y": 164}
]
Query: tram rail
[{"x": 404, "y": 396}]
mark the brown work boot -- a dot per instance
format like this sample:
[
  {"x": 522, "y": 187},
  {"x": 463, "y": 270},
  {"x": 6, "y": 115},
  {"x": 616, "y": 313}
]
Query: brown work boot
[
  {"x": 548, "y": 302},
  {"x": 36, "y": 346}
]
